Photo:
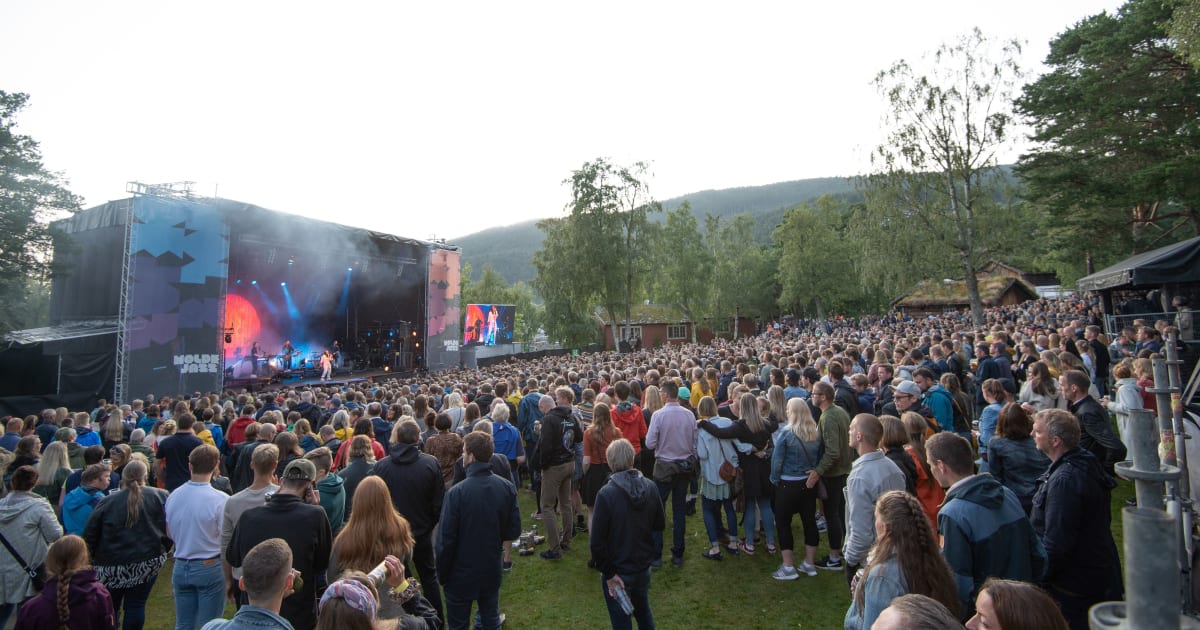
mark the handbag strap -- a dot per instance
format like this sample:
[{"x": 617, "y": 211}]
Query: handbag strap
[
  {"x": 806, "y": 455},
  {"x": 24, "y": 565}
]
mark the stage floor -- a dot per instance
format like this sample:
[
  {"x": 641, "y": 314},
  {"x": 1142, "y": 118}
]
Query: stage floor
[{"x": 298, "y": 379}]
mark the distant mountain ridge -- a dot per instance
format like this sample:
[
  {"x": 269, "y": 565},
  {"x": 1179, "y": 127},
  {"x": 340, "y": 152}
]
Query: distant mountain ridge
[{"x": 509, "y": 249}]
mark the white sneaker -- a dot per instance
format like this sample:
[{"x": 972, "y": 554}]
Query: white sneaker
[
  {"x": 808, "y": 569},
  {"x": 785, "y": 573}
]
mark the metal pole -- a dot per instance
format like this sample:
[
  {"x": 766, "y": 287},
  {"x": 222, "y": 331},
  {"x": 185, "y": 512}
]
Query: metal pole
[
  {"x": 1144, "y": 469},
  {"x": 1151, "y": 576},
  {"x": 1184, "y": 494},
  {"x": 1162, "y": 396}
]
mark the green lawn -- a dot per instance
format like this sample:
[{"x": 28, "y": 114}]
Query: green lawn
[{"x": 734, "y": 592}]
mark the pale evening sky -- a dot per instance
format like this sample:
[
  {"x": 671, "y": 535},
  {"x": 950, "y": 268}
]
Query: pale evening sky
[{"x": 442, "y": 119}]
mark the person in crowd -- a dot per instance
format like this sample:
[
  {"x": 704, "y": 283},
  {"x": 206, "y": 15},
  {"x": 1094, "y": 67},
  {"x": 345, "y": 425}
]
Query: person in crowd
[
  {"x": 66, "y": 435},
  {"x": 361, "y": 427},
  {"x": 194, "y": 514},
  {"x": 833, "y": 469},
  {"x": 78, "y": 505},
  {"x": 445, "y": 446},
  {"x": 354, "y": 602},
  {"x": 1129, "y": 397},
  {"x": 289, "y": 450},
  {"x": 599, "y": 434},
  {"x": 378, "y": 533},
  {"x": 73, "y": 599},
  {"x": 983, "y": 528},
  {"x": 672, "y": 436},
  {"x": 1096, "y": 428},
  {"x": 362, "y": 460},
  {"x": 27, "y": 527},
  {"x": 241, "y": 469},
  {"x": 936, "y": 397},
  {"x": 53, "y": 470},
  {"x": 507, "y": 440},
  {"x": 716, "y": 493},
  {"x": 267, "y": 579},
  {"x": 173, "y": 453},
  {"x": 753, "y": 429},
  {"x": 304, "y": 432},
  {"x": 797, "y": 451},
  {"x": 263, "y": 461},
  {"x": 629, "y": 511},
  {"x": 293, "y": 514},
  {"x": 1014, "y": 459},
  {"x": 1071, "y": 515},
  {"x": 903, "y": 560},
  {"x": 915, "y": 612},
  {"x": 478, "y": 515},
  {"x": 127, "y": 537},
  {"x": 29, "y": 450},
  {"x": 1015, "y": 605},
  {"x": 556, "y": 459},
  {"x": 414, "y": 480},
  {"x": 994, "y": 396},
  {"x": 895, "y": 438},
  {"x": 871, "y": 475},
  {"x": 330, "y": 488},
  {"x": 929, "y": 492}
]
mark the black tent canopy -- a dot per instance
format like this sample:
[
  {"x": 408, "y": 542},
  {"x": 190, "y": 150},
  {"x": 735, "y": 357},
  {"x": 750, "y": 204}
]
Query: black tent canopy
[{"x": 1173, "y": 264}]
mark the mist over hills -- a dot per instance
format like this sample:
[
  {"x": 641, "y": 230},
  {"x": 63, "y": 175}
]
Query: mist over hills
[{"x": 509, "y": 249}]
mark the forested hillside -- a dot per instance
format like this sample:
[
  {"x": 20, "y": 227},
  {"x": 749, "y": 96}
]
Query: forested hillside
[{"x": 509, "y": 249}]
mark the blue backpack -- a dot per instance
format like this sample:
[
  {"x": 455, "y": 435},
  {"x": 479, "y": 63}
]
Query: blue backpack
[{"x": 505, "y": 438}]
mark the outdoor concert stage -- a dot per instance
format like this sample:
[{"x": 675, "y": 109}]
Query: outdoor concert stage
[
  {"x": 167, "y": 295},
  {"x": 308, "y": 379}
]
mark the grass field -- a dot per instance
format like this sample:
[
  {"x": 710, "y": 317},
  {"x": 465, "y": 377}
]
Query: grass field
[{"x": 734, "y": 592}]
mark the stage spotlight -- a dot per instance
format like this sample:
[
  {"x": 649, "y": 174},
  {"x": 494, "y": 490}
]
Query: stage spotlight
[
  {"x": 387, "y": 368},
  {"x": 291, "y": 260},
  {"x": 239, "y": 281},
  {"x": 414, "y": 333},
  {"x": 417, "y": 344},
  {"x": 283, "y": 284},
  {"x": 349, "y": 268},
  {"x": 254, "y": 282},
  {"x": 228, "y": 338}
]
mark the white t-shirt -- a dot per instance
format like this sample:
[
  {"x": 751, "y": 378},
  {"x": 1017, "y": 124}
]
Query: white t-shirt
[{"x": 195, "y": 511}]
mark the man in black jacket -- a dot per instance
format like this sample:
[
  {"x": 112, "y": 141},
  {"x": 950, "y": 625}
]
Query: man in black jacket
[
  {"x": 556, "y": 459},
  {"x": 1071, "y": 515},
  {"x": 415, "y": 482},
  {"x": 1096, "y": 430},
  {"x": 628, "y": 512},
  {"x": 478, "y": 515},
  {"x": 844, "y": 394},
  {"x": 294, "y": 515}
]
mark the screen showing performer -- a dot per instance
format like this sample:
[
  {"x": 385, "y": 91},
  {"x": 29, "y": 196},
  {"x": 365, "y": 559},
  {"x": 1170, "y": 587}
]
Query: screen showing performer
[{"x": 489, "y": 324}]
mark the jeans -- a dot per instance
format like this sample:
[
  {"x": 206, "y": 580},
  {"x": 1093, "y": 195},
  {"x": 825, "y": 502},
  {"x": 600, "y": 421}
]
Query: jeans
[
  {"x": 458, "y": 611},
  {"x": 762, "y": 507},
  {"x": 134, "y": 599},
  {"x": 711, "y": 510},
  {"x": 199, "y": 592},
  {"x": 791, "y": 498},
  {"x": 637, "y": 586},
  {"x": 556, "y": 486},
  {"x": 677, "y": 488}
]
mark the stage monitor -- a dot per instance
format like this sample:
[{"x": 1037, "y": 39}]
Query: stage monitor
[{"x": 489, "y": 324}]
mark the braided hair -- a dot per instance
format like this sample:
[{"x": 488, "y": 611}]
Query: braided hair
[
  {"x": 133, "y": 479},
  {"x": 65, "y": 557}
]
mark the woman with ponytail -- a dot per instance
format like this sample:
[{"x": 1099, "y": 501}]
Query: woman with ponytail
[
  {"x": 127, "y": 536},
  {"x": 73, "y": 598}
]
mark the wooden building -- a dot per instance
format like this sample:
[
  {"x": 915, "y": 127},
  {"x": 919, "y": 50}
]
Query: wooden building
[{"x": 652, "y": 325}]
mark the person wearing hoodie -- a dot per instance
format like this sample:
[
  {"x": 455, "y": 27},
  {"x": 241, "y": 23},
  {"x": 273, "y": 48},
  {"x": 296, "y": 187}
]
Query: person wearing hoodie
[
  {"x": 28, "y": 523},
  {"x": 415, "y": 482},
  {"x": 983, "y": 527},
  {"x": 71, "y": 590},
  {"x": 85, "y": 436},
  {"x": 844, "y": 394},
  {"x": 79, "y": 503},
  {"x": 628, "y": 417},
  {"x": 1071, "y": 515},
  {"x": 330, "y": 487},
  {"x": 628, "y": 513}
]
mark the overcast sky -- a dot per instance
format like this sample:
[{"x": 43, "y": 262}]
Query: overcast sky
[{"x": 441, "y": 119}]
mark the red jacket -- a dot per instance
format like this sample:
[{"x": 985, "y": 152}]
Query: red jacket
[
  {"x": 628, "y": 418},
  {"x": 237, "y": 430}
]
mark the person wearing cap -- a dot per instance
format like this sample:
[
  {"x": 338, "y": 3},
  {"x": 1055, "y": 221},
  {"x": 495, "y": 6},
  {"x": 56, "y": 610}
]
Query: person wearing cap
[
  {"x": 293, "y": 514},
  {"x": 194, "y": 512}
]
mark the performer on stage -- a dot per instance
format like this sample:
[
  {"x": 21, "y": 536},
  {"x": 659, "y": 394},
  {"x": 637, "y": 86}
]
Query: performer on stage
[
  {"x": 287, "y": 351},
  {"x": 255, "y": 350},
  {"x": 326, "y": 365},
  {"x": 491, "y": 326},
  {"x": 336, "y": 351}
]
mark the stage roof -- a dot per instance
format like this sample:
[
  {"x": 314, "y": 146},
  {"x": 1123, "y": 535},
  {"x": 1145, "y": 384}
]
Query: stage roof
[
  {"x": 72, "y": 330},
  {"x": 1178, "y": 263}
]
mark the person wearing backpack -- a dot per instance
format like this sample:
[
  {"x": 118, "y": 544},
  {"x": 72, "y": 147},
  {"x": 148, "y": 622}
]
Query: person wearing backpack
[{"x": 936, "y": 398}]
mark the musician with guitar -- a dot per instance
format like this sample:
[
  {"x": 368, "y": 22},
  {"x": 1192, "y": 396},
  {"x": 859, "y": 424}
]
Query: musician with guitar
[{"x": 287, "y": 352}]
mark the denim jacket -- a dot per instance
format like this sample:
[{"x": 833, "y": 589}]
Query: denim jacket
[
  {"x": 789, "y": 457},
  {"x": 250, "y": 618}
]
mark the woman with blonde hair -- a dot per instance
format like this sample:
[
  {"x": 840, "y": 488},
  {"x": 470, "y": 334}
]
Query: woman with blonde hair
[
  {"x": 304, "y": 433},
  {"x": 1053, "y": 365},
  {"x": 905, "y": 558},
  {"x": 127, "y": 535},
  {"x": 72, "y": 598},
  {"x": 375, "y": 530},
  {"x": 455, "y": 409},
  {"x": 798, "y": 447},
  {"x": 53, "y": 469}
]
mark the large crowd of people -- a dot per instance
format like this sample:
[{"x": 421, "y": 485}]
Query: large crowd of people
[{"x": 960, "y": 473}]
